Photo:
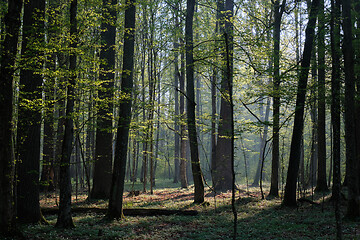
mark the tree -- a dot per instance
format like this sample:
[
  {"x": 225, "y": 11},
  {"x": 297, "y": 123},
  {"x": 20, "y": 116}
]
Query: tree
[
  {"x": 295, "y": 150},
  {"x": 118, "y": 176},
  {"x": 104, "y": 136},
  {"x": 7, "y": 69},
  {"x": 321, "y": 184},
  {"x": 64, "y": 219},
  {"x": 191, "y": 121},
  {"x": 335, "y": 108},
  {"x": 278, "y": 12},
  {"x": 29, "y": 114},
  {"x": 352, "y": 161},
  {"x": 222, "y": 179}
]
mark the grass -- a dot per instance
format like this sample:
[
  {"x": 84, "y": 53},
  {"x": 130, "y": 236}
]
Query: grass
[{"x": 257, "y": 219}]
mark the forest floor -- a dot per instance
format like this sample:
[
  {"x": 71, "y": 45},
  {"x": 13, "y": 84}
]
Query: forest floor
[{"x": 257, "y": 218}]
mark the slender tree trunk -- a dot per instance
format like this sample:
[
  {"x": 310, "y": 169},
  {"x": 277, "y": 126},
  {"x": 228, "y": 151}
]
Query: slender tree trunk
[
  {"x": 7, "y": 69},
  {"x": 213, "y": 121},
  {"x": 183, "y": 135},
  {"x": 295, "y": 151},
  {"x": 278, "y": 12},
  {"x": 335, "y": 109},
  {"x": 64, "y": 219},
  {"x": 104, "y": 136},
  {"x": 262, "y": 146},
  {"x": 29, "y": 124},
  {"x": 191, "y": 120},
  {"x": 321, "y": 184},
  {"x": 177, "y": 110},
  {"x": 314, "y": 133},
  {"x": 117, "y": 184}
]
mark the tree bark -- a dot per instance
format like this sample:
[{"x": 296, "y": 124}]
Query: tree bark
[
  {"x": 222, "y": 174},
  {"x": 104, "y": 136},
  {"x": 278, "y": 12},
  {"x": 295, "y": 151},
  {"x": 118, "y": 177},
  {"x": 7, "y": 69},
  {"x": 321, "y": 184},
  {"x": 335, "y": 110},
  {"x": 183, "y": 134},
  {"x": 191, "y": 120},
  {"x": 29, "y": 123},
  {"x": 177, "y": 110},
  {"x": 352, "y": 161},
  {"x": 64, "y": 219}
]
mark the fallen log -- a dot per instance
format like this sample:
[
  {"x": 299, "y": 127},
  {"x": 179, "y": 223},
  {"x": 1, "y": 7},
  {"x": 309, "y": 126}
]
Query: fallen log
[{"x": 144, "y": 212}]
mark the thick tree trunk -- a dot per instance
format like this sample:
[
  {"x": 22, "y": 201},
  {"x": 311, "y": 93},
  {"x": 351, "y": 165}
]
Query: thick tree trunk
[
  {"x": 222, "y": 180},
  {"x": 352, "y": 161},
  {"x": 357, "y": 81},
  {"x": 295, "y": 151},
  {"x": 118, "y": 177},
  {"x": 321, "y": 184},
  {"x": 64, "y": 219},
  {"x": 47, "y": 173},
  {"x": 104, "y": 136},
  {"x": 7, "y": 69},
  {"x": 29, "y": 124},
  {"x": 191, "y": 120}
]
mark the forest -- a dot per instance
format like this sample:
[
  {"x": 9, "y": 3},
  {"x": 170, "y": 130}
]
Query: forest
[{"x": 179, "y": 119}]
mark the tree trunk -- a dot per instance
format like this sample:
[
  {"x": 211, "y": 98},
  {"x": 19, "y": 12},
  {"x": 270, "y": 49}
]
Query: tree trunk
[
  {"x": 213, "y": 121},
  {"x": 7, "y": 69},
  {"x": 314, "y": 133},
  {"x": 118, "y": 177},
  {"x": 222, "y": 173},
  {"x": 64, "y": 219},
  {"x": 177, "y": 110},
  {"x": 278, "y": 12},
  {"x": 191, "y": 120},
  {"x": 183, "y": 135},
  {"x": 295, "y": 151},
  {"x": 104, "y": 136},
  {"x": 29, "y": 123},
  {"x": 321, "y": 184},
  {"x": 352, "y": 162},
  {"x": 335, "y": 109},
  {"x": 262, "y": 146}
]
